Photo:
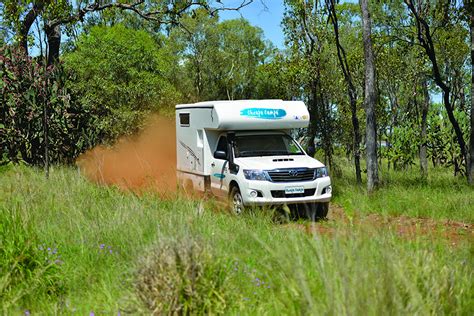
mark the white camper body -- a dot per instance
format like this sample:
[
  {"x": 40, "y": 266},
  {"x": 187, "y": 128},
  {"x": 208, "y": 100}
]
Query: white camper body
[{"x": 244, "y": 146}]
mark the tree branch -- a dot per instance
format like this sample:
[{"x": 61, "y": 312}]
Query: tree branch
[{"x": 168, "y": 15}]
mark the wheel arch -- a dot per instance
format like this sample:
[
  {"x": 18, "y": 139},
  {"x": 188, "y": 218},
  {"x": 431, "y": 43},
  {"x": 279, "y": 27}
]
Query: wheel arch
[{"x": 233, "y": 184}]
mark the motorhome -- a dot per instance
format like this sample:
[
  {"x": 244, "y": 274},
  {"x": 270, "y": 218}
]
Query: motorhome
[{"x": 243, "y": 151}]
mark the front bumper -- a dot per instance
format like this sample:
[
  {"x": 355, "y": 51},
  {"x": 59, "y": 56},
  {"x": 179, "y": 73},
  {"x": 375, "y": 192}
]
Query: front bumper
[{"x": 272, "y": 193}]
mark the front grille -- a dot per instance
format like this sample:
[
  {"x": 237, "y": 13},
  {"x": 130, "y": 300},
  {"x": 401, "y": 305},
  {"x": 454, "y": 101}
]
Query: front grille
[
  {"x": 291, "y": 175},
  {"x": 281, "y": 193}
]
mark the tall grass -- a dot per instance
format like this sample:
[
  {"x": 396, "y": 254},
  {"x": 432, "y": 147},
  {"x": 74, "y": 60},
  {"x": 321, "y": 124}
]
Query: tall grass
[
  {"x": 404, "y": 192},
  {"x": 111, "y": 251}
]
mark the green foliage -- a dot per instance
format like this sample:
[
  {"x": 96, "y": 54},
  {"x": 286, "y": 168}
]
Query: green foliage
[
  {"x": 442, "y": 147},
  {"x": 122, "y": 74},
  {"x": 27, "y": 89},
  {"x": 218, "y": 61}
]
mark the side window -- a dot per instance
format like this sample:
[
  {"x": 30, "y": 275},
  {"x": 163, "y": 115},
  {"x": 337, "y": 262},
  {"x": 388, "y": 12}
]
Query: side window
[
  {"x": 222, "y": 144},
  {"x": 184, "y": 119},
  {"x": 290, "y": 145}
]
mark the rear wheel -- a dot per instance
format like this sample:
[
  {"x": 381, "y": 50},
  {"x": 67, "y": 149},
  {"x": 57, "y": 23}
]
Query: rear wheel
[{"x": 236, "y": 201}]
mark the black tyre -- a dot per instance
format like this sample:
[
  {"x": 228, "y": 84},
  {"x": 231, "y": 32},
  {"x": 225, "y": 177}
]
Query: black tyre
[
  {"x": 313, "y": 211},
  {"x": 322, "y": 210},
  {"x": 236, "y": 201}
]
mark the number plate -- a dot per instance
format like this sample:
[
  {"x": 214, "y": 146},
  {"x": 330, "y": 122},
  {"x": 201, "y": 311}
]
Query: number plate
[{"x": 294, "y": 190}]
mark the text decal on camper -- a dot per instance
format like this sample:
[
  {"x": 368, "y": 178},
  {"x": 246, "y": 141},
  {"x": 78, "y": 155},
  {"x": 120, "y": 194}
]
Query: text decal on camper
[{"x": 263, "y": 113}]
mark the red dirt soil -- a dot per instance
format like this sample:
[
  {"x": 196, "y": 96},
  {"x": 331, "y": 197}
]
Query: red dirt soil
[
  {"x": 454, "y": 232},
  {"x": 143, "y": 162}
]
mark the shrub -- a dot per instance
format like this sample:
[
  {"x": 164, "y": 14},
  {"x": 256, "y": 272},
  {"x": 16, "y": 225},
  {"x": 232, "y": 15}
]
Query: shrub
[
  {"x": 27, "y": 89},
  {"x": 123, "y": 74},
  {"x": 182, "y": 277}
]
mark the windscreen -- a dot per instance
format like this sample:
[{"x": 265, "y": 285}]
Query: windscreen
[{"x": 265, "y": 145}]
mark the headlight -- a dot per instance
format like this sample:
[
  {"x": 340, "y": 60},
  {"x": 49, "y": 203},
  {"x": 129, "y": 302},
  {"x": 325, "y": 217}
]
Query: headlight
[
  {"x": 320, "y": 172},
  {"x": 255, "y": 175}
]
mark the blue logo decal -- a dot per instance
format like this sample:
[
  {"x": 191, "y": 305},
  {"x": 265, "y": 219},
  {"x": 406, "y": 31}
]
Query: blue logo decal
[
  {"x": 219, "y": 175},
  {"x": 264, "y": 113}
]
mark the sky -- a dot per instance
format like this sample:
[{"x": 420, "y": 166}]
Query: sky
[{"x": 266, "y": 14}]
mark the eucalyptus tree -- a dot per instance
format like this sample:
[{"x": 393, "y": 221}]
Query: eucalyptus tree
[
  {"x": 307, "y": 37},
  {"x": 219, "y": 60},
  {"x": 243, "y": 50},
  {"x": 447, "y": 52},
  {"x": 370, "y": 100},
  {"x": 403, "y": 82},
  {"x": 196, "y": 47},
  {"x": 351, "y": 88},
  {"x": 469, "y": 11},
  {"x": 56, "y": 15}
]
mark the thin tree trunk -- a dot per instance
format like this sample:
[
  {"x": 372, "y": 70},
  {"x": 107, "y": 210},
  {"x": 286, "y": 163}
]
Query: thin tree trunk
[
  {"x": 351, "y": 90},
  {"x": 313, "y": 114},
  {"x": 424, "y": 115},
  {"x": 326, "y": 129},
  {"x": 369, "y": 101},
  {"x": 470, "y": 160},
  {"x": 45, "y": 124},
  {"x": 27, "y": 23}
]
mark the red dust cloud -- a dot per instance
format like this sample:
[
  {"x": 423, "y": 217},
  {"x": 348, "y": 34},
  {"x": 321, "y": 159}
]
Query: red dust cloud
[{"x": 141, "y": 163}]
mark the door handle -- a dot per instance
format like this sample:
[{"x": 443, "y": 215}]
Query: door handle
[{"x": 213, "y": 164}]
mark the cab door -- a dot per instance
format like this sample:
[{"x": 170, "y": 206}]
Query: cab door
[{"x": 220, "y": 169}]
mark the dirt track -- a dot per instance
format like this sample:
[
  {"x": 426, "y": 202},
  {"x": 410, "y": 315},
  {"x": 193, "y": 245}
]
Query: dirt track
[
  {"x": 147, "y": 162},
  {"x": 406, "y": 227}
]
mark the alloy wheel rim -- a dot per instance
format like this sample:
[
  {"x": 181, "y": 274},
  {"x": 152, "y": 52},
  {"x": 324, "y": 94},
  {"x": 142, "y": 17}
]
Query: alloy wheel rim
[{"x": 237, "y": 203}]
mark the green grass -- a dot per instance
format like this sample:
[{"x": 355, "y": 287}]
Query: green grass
[
  {"x": 441, "y": 196},
  {"x": 106, "y": 246}
]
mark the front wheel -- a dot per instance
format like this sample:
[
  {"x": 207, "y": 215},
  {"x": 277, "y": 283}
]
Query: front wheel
[
  {"x": 322, "y": 210},
  {"x": 236, "y": 201},
  {"x": 316, "y": 211}
]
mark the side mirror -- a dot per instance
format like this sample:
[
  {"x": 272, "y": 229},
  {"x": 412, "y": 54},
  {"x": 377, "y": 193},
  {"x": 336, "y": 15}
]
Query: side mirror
[{"x": 219, "y": 154}]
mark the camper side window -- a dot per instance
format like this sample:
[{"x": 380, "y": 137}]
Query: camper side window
[
  {"x": 222, "y": 144},
  {"x": 184, "y": 119}
]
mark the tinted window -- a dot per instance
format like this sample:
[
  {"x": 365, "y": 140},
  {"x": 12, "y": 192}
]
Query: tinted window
[
  {"x": 265, "y": 145},
  {"x": 184, "y": 119},
  {"x": 222, "y": 144}
]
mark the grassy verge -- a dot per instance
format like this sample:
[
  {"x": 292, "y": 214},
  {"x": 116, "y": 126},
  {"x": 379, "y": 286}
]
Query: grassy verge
[
  {"x": 68, "y": 246},
  {"x": 440, "y": 196}
]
